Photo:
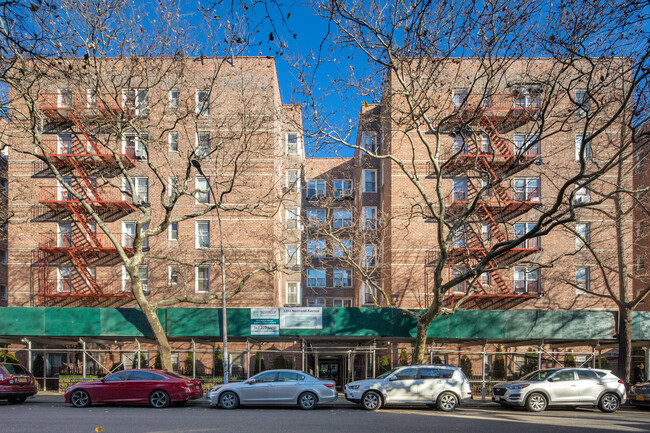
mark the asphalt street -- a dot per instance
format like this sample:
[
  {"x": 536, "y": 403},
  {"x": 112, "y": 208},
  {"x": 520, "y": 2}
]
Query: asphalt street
[{"x": 48, "y": 413}]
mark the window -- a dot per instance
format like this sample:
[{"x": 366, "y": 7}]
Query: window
[
  {"x": 527, "y": 99},
  {"x": 315, "y": 188},
  {"x": 173, "y": 98},
  {"x": 487, "y": 98},
  {"x": 583, "y": 234},
  {"x": 316, "y": 217},
  {"x": 459, "y": 97},
  {"x": 137, "y": 143},
  {"x": 316, "y": 302},
  {"x": 203, "y": 279},
  {"x": 486, "y": 233},
  {"x": 141, "y": 188},
  {"x": 459, "y": 146},
  {"x": 526, "y": 280},
  {"x": 583, "y": 103},
  {"x": 173, "y": 232},
  {"x": 136, "y": 100},
  {"x": 639, "y": 264},
  {"x": 64, "y": 98},
  {"x": 202, "y": 144},
  {"x": 582, "y": 195},
  {"x": 202, "y": 102},
  {"x": 406, "y": 374},
  {"x": 460, "y": 237},
  {"x": 462, "y": 286},
  {"x": 64, "y": 279},
  {"x": 172, "y": 139},
  {"x": 64, "y": 230},
  {"x": 581, "y": 141},
  {"x": 293, "y": 218},
  {"x": 65, "y": 144},
  {"x": 639, "y": 229},
  {"x": 369, "y": 216},
  {"x": 288, "y": 376},
  {"x": 143, "y": 273},
  {"x": 316, "y": 247},
  {"x": 3, "y": 257},
  {"x": 369, "y": 292},
  {"x": 128, "y": 234},
  {"x": 526, "y": 189},
  {"x": 527, "y": 145},
  {"x": 369, "y": 180},
  {"x": 342, "y": 278},
  {"x": 520, "y": 230},
  {"x": 202, "y": 194},
  {"x": 343, "y": 248},
  {"x": 342, "y": 188},
  {"x": 174, "y": 275},
  {"x": 460, "y": 189},
  {"x": 293, "y": 256},
  {"x": 203, "y": 234},
  {"x": 293, "y": 179},
  {"x": 342, "y": 218},
  {"x": 315, "y": 277},
  {"x": 369, "y": 256},
  {"x": 486, "y": 144},
  {"x": 486, "y": 280},
  {"x": 342, "y": 302},
  {"x": 587, "y": 375},
  {"x": 293, "y": 293},
  {"x": 582, "y": 279},
  {"x": 369, "y": 141},
  {"x": 293, "y": 143},
  {"x": 173, "y": 186},
  {"x": 4, "y": 295}
]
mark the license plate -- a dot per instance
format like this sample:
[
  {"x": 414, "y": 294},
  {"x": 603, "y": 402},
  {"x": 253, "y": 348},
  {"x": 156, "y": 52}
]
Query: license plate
[
  {"x": 22, "y": 380},
  {"x": 640, "y": 398}
]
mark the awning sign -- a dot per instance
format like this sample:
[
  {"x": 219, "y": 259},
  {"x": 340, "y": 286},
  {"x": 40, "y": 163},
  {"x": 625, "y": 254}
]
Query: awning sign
[
  {"x": 265, "y": 322},
  {"x": 301, "y": 318}
]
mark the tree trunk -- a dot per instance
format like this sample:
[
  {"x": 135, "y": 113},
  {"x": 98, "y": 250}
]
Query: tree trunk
[
  {"x": 625, "y": 343},
  {"x": 420, "y": 345}
]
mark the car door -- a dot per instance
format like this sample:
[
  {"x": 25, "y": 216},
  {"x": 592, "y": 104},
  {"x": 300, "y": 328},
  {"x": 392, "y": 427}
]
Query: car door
[
  {"x": 563, "y": 387},
  {"x": 403, "y": 385},
  {"x": 590, "y": 385},
  {"x": 287, "y": 387},
  {"x": 140, "y": 384},
  {"x": 114, "y": 387},
  {"x": 258, "y": 388},
  {"x": 431, "y": 383}
]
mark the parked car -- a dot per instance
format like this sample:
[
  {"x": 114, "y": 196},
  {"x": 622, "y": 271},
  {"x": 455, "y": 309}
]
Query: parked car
[
  {"x": 640, "y": 394},
  {"x": 156, "y": 387},
  {"x": 275, "y": 387},
  {"x": 443, "y": 386},
  {"x": 562, "y": 387},
  {"x": 16, "y": 382}
]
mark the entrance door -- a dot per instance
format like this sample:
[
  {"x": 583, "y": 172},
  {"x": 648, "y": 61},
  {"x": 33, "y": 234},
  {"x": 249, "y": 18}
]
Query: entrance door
[{"x": 330, "y": 369}]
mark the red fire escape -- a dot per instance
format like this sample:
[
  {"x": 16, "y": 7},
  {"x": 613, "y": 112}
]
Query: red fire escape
[
  {"x": 477, "y": 160},
  {"x": 67, "y": 259}
]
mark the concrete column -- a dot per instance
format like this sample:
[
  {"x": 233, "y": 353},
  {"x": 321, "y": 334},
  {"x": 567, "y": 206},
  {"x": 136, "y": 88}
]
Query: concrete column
[
  {"x": 483, "y": 374},
  {"x": 193, "y": 359},
  {"x": 316, "y": 369},
  {"x": 83, "y": 359}
]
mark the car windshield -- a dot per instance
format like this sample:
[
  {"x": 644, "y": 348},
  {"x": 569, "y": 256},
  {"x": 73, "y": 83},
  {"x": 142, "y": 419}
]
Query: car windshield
[
  {"x": 539, "y": 375},
  {"x": 385, "y": 375}
]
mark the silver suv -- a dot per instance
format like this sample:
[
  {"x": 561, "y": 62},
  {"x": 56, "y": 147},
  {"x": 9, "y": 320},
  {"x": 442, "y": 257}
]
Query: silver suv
[
  {"x": 443, "y": 386},
  {"x": 562, "y": 386}
]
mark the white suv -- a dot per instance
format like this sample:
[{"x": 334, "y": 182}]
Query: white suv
[{"x": 443, "y": 386}]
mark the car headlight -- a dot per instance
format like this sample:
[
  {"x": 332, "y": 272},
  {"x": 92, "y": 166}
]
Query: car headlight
[
  {"x": 215, "y": 388},
  {"x": 353, "y": 386},
  {"x": 517, "y": 387}
]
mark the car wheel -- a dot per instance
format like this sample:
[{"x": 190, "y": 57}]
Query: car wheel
[
  {"x": 16, "y": 400},
  {"x": 228, "y": 400},
  {"x": 80, "y": 398},
  {"x": 609, "y": 403},
  {"x": 159, "y": 399},
  {"x": 447, "y": 401},
  {"x": 536, "y": 402},
  {"x": 307, "y": 400},
  {"x": 371, "y": 400}
]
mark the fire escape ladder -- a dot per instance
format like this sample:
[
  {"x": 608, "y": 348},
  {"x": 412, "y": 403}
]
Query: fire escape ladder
[
  {"x": 494, "y": 227},
  {"x": 83, "y": 221},
  {"x": 496, "y": 139},
  {"x": 501, "y": 284},
  {"x": 85, "y": 132},
  {"x": 92, "y": 189},
  {"x": 82, "y": 266}
]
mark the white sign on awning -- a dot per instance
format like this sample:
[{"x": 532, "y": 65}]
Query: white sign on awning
[{"x": 301, "y": 318}]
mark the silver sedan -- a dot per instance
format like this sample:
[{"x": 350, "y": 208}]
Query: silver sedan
[{"x": 275, "y": 387}]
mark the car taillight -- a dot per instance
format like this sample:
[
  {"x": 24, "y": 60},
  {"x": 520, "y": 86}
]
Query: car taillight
[
  {"x": 621, "y": 381},
  {"x": 329, "y": 385}
]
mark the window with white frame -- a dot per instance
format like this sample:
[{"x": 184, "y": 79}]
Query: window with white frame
[
  {"x": 64, "y": 234},
  {"x": 64, "y": 279},
  {"x": 293, "y": 180},
  {"x": 486, "y": 232},
  {"x": 293, "y": 293},
  {"x": 342, "y": 218},
  {"x": 369, "y": 141},
  {"x": 582, "y": 195},
  {"x": 316, "y": 217},
  {"x": 172, "y": 186},
  {"x": 202, "y": 279},
  {"x": 639, "y": 264},
  {"x": 526, "y": 188},
  {"x": 342, "y": 302},
  {"x": 639, "y": 229},
  {"x": 293, "y": 256},
  {"x": 316, "y": 247},
  {"x": 203, "y": 146},
  {"x": 527, "y": 145},
  {"x": 521, "y": 229},
  {"x": 293, "y": 143},
  {"x": 173, "y": 231},
  {"x": 65, "y": 144},
  {"x": 527, "y": 99},
  {"x": 460, "y": 237},
  {"x": 459, "y": 146},
  {"x": 202, "y": 234},
  {"x": 486, "y": 279},
  {"x": 583, "y": 283},
  {"x": 141, "y": 188},
  {"x": 91, "y": 98},
  {"x": 342, "y": 188},
  {"x": 316, "y": 302},
  {"x": 64, "y": 98},
  {"x": 583, "y": 235},
  {"x": 173, "y": 275},
  {"x": 136, "y": 100},
  {"x": 143, "y": 273},
  {"x": 583, "y": 147},
  {"x": 460, "y": 189},
  {"x": 293, "y": 218},
  {"x": 202, "y": 102},
  {"x": 486, "y": 144},
  {"x": 128, "y": 234},
  {"x": 316, "y": 278},
  {"x": 369, "y": 215},
  {"x": 486, "y": 102},
  {"x": 342, "y": 248},
  {"x": 342, "y": 278},
  {"x": 459, "y": 97},
  {"x": 526, "y": 280},
  {"x": 137, "y": 142},
  {"x": 462, "y": 286},
  {"x": 369, "y": 180},
  {"x": 173, "y": 98},
  {"x": 172, "y": 139},
  {"x": 202, "y": 185},
  {"x": 369, "y": 256},
  {"x": 369, "y": 293},
  {"x": 315, "y": 188},
  {"x": 583, "y": 102}
]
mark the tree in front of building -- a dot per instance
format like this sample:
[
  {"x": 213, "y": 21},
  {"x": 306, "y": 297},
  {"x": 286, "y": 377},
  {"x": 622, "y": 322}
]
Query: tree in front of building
[
  {"x": 403, "y": 358},
  {"x": 530, "y": 362},
  {"x": 384, "y": 365},
  {"x": 466, "y": 365},
  {"x": 569, "y": 359},
  {"x": 499, "y": 364}
]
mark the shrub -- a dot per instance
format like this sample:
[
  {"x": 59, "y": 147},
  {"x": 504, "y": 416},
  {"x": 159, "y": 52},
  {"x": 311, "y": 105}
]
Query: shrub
[
  {"x": 499, "y": 364},
  {"x": 403, "y": 358},
  {"x": 157, "y": 363},
  {"x": 466, "y": 365},
  {"x": 259, "y": 362},
  {"x": 569, "y": 359},
  {"x": 217, "y": 366},
  {"x": 436, "y": 360},
  {"x": 189, "y": 364},
  {"x": 8, "y": 357},
  {"x": 384, "y": 364}
]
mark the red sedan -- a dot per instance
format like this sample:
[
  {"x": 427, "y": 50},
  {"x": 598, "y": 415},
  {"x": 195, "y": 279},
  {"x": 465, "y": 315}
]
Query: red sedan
[{"x": 156, "y": 387}]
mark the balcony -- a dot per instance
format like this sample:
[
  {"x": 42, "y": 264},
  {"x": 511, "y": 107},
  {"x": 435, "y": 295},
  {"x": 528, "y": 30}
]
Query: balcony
[
  {"x": 458, "y": 161},
  {"x": 64, "y": 288},
  {"x": 508, "y": 111},
  {"x": 461, "y": 250},
  {"x": 70, "y": 152},
  {"x": 98, "y": 243},
  {"x": 55, "y": 197},
  {"x": 70, "y": 107},
  {"x": 490, "y": 296},
  {"x": 501, "y": 203}
]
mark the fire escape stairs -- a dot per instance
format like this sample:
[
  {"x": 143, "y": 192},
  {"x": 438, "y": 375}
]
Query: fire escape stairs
[{"x": 82, "y": 266}]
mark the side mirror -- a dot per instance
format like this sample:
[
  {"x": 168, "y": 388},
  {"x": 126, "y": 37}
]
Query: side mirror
[
  {"x": 103, "y": 379},
  {"x": 250, "y": 381},
  {"x": 554, "y": 379},
  {"x": 392, "y": 378}
]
